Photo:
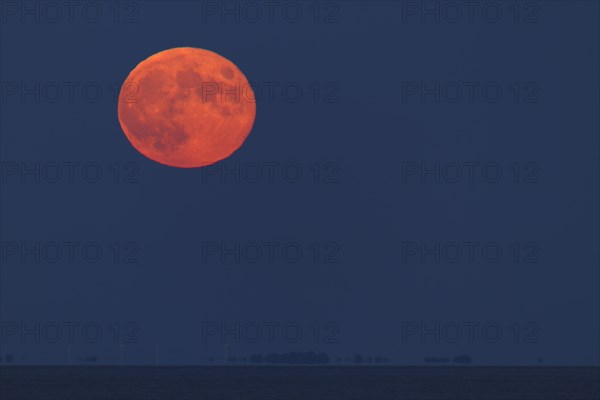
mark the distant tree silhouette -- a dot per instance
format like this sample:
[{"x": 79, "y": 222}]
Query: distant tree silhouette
[
  {"x": 462, "y": 359},
  {"x": 437, "y": 359},
  {"x": 381, "y": 360},
  {"x": 311, "y": 357},
  {"x": 291, "y": 358},
  {"x": 256, "y": 359}
]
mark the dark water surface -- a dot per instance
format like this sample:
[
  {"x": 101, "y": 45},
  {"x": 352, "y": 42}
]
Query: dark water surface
[{"x": 148, "y": 383}]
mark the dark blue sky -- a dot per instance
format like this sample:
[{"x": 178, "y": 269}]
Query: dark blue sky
[{"x": 409, "y": 238}]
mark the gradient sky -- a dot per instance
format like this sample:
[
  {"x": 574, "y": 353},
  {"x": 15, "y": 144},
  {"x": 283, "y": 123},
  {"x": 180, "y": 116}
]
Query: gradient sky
[{"x": 362, "y": 131}]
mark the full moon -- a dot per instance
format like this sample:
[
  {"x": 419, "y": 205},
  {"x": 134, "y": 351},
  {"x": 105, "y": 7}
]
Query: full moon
[{"x": 186, "y": 107}]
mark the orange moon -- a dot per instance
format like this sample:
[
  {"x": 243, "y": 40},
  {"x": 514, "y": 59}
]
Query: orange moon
[{"x": 186, "y": 107}]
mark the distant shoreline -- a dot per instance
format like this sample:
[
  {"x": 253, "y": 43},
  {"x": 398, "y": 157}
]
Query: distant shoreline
[{"x": 447, "y": 366}]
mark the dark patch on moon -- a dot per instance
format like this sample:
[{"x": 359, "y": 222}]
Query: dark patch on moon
[
  {"x": 227, "y": 72},
  {"x": 169, "y": 137},
  {"x": 188, "y": 79},
  {"x": 152, "y": 84},
  {"x": 173, "y": 103},
  {"x": 209, "y": 92}
]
